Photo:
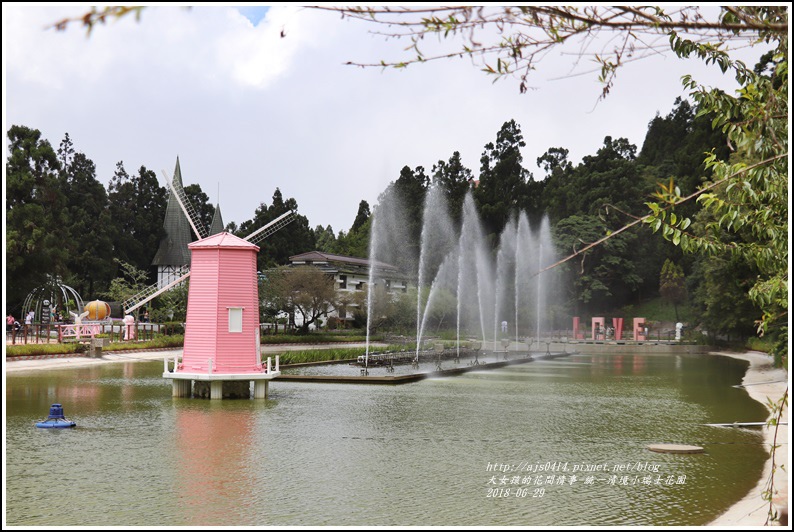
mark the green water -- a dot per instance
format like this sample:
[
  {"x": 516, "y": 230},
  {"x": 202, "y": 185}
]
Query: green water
[{"x": 462, "y": 451}]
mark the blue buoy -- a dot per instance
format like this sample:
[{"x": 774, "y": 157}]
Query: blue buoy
[{"x": 56, "y": 419}]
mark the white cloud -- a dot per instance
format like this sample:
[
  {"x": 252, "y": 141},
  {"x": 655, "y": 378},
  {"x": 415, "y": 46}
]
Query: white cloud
[{"x": 248, "y": 110}]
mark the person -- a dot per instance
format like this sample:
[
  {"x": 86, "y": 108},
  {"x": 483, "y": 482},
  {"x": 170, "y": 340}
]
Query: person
[
  {"x": 29, "y": 318},
  {"x": 145, "y": 318},
  {"x": 504, "y": 326},
  {"x": 10, "y": 319}
]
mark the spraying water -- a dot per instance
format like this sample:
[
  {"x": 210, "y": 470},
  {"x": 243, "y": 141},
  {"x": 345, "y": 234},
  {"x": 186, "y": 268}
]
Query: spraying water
[
  {"x": 370, "y": 285},
  {"x": 487, "y": 286}
]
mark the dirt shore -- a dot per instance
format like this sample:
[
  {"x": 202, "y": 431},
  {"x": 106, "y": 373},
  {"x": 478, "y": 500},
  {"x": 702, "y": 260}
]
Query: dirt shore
[{"x": 762, "y": 382}]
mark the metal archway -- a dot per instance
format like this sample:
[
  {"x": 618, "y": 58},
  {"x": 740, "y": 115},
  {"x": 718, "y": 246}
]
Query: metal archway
[{"x": 57, "y": 294}]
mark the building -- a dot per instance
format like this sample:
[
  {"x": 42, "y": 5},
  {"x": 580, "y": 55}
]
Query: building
[
  {"x": 351, "y": 275},
  {"x": 173, "y": 257},
  {"x": 217, "y": 221}
]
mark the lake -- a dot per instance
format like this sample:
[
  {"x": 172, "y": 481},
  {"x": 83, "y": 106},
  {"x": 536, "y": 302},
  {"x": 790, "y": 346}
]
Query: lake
[{"x": 559, "y": 442}]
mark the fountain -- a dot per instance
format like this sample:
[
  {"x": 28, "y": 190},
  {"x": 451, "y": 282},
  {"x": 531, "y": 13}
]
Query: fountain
[{"x": 489, "y": 286}]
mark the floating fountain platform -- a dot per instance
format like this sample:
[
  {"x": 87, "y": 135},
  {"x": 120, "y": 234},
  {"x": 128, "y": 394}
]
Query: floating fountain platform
[
  {"x": 674, "y": 448},
  {"x": 56, "y": 419},
  {"x": 413, "y": 377}
]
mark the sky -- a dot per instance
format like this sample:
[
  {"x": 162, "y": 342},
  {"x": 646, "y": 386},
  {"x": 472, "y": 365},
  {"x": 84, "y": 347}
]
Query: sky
[{"x": 248, "y": 110}]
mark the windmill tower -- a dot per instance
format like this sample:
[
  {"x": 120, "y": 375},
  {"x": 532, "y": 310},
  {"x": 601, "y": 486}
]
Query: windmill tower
[
  {"x": 221, "y": 352},
  {"x": 221, "y": 355}
]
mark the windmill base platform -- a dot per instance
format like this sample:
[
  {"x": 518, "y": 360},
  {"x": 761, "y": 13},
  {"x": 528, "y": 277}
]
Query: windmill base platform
[{"x": 220, "y": 385}]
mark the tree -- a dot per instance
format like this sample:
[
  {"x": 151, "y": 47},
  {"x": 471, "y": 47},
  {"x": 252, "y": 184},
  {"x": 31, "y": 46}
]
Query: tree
[
  {"x": 171, "y": 305},
  {"x": 675, "y": 146},
  {"x": 35, "y": 216},
  {"x": 325, "y": 239},
  {"x": 748, "y": 193},
  {"x": 131, "y": 281},
  {"x": 602, "y": 181},
  {"x": 354, "y": 243},
  {"x": 721, "y": 297},
  {"x": 272, "y": 295},
  {"x": 409, "y": 191},
  {"x": 137, "y": 209},
  {"x": 386, "y": 309},
  {"x": 672, "y": 285},
  {"x": 362, "y": 215},
  {"x": 201, "y": 204},
  {"x": 297, "y": 237},
  {"x": 558, "y": 183},
  {"x": 88, "y": 223},
  {"x": 456, "y": 180},
  {"x": 512, "y": 40},
  {"x": 605, "y": 274},
  {"x": 503, "y": 180},
  {"x": 304, "y": 290}
]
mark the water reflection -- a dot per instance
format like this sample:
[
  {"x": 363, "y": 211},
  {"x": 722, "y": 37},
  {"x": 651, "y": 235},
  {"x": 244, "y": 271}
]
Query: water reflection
[{"x": 214, "y": 444}]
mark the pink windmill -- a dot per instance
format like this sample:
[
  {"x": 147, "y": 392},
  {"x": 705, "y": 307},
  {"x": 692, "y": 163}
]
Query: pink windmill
[{"x": 221, "y": 354}]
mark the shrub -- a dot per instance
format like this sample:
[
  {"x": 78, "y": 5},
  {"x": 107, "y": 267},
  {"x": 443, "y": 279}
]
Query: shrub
[
  {"x": 323, "y": 355},
  {"x": 160, "y": 342},
  {"x": 44, "y": 349}
]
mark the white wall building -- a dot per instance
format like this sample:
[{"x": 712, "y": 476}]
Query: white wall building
[{"x": 351, "y": 274}]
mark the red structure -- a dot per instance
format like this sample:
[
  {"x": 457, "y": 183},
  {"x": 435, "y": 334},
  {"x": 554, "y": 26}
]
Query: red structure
[
  {"x": 640, "y": 329},
  {"x": 577, "y": 333},
  {"x": 222, "y": 324},
  {"x": 598, "y": 329}
]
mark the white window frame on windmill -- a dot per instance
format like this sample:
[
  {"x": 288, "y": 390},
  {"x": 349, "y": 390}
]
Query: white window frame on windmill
[{"x": 235, "y": 319}]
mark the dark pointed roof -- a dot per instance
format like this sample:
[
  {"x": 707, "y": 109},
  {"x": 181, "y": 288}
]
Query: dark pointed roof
[
  {"x": 173, "y": 249},
  {"x": 217, "y": 221}
]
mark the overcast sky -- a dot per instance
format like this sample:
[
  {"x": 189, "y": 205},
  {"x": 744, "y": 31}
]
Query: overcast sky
[{"x": 248, "y": 111}]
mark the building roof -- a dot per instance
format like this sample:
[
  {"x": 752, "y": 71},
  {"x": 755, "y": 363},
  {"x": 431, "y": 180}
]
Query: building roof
[
  {"x": 223, "y": 240},
  {"x": 173, "y": 247},
  {"x": 319, "y": 256},
  {"x": 217, "y": 221}
]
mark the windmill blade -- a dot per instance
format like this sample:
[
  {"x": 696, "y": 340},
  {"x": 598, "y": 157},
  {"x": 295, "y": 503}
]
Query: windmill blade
[
  {"x": 190, "y": 213},
  {"x": 149, "y": 293},
  {"x": 267, "y": 230}
]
